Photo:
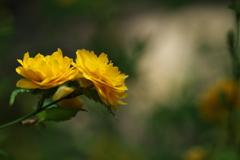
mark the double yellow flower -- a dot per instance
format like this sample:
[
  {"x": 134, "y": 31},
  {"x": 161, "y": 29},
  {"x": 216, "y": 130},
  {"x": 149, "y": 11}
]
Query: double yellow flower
[{"x": 45, "y": 72}]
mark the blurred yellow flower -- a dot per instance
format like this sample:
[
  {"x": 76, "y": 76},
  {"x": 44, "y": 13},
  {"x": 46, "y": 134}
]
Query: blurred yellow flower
[
  {"x": 44, "y": 72},
  {"x": 107, "y": 79},
  {"x": 72, "y": 103},
  {"x": 214, "y": 104},
  {"x": 196, "y": 153}
]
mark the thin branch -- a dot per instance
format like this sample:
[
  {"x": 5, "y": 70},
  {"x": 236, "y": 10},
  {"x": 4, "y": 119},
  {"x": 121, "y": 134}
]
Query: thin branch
[{"x": 70, "y": 95}]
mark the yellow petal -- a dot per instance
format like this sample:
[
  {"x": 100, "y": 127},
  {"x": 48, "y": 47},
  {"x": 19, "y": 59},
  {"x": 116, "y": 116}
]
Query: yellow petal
[
  {"x": 46, "y": 71},
  {"x": 84, "y": 82},
  {"x": 72, "y": 103},
  {"x": 26, "y": 57},
  {"x": 107, "y": 79},
  {"x": 103, "y": 58},
  {"x": 61, "y": 92},
  {"x": 19, "y": 70},
  {"x": 27, "y": 84},
  {"x": 20, "y": 61}
]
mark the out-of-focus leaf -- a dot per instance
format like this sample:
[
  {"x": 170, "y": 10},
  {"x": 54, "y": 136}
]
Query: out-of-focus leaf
[
  {"x": 58, "y": 114},
  {"x": 223, "y": 154},
  {"x": 234, "y": 7},
  {"x": 4, "y": 154}
]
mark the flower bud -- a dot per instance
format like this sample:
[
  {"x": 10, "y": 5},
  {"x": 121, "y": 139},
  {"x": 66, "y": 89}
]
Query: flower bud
[
  {"x": 29, "y": 122},
  {"x": 72, "y": 103}
]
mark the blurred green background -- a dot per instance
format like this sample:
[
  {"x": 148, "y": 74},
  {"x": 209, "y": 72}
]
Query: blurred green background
[{"x": 172, "y": 51}]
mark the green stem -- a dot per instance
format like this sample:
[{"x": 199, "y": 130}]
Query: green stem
[
  {"x": 234, "y": 50},
  {"x": 232, "y": 123},
  {"x": 237, "y": 32},
  {"x": 70, "y": 95},
  {"x": 41, "y": 100}
]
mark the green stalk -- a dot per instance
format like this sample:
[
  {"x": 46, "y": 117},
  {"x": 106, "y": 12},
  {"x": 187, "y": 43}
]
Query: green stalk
[
  {"x": 233, "y": 43},
  {"x": 41, "y": 99}
]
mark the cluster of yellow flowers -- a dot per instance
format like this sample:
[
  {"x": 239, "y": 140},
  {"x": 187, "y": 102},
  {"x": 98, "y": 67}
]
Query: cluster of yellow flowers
[{"x": 45, "y": 72}]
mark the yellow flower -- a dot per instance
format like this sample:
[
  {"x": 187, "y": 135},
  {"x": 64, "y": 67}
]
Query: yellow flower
[
  {"x": 45, "y": 72},
  {"x": 72, "y": 103},
  {"x": 196, "y": 153},
  {"x": 214, "y": 104},
  {"x": 107, "y": 79}
]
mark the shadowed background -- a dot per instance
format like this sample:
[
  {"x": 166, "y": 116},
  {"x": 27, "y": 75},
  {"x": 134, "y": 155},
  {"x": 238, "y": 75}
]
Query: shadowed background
[{"x": 171, "y": 50}]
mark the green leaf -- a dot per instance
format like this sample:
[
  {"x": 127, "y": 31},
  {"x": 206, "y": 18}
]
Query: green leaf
[
  {"x": 58, "y": 114},
  {"x": 15, "y": 93},
  {"x": 93, "y": 94},
  {"x": 4, "y": 154},
  {"x": 46, "y": 92},
  {"x": 231, "y": 41},
  {"x": 234, "y": 7}
]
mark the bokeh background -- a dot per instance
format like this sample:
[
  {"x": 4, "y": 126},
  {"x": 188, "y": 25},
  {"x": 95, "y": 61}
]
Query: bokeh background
[{"x": 172, "y": 50}]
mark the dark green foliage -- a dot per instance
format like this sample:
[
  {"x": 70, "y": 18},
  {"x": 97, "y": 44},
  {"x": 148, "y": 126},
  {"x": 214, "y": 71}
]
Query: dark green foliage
[
  {"x": 58, "y": 114},
  {"x": 46, "y": 92},
  {"x": 173, "y": 129},
  {"x": 234, "y": 6},
  {"x": 4, "y": 155},
  {"x": 224, "y": 153},
  {"x": 230, "y": 41}
]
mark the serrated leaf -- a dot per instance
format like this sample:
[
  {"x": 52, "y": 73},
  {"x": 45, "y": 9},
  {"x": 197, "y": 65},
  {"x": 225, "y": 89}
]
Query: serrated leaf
[
  {"x": 57, "y": 114},
  {"x": 15, "y": 93},
  {"x": 93, "y": 94},
  {"x": 46, "y": 92}
]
